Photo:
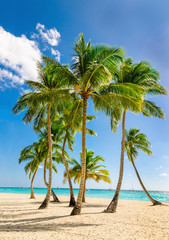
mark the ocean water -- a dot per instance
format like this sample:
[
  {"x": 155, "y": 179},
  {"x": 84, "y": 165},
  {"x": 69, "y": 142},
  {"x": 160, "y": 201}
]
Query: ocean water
[{"x": 94, "y": 193}]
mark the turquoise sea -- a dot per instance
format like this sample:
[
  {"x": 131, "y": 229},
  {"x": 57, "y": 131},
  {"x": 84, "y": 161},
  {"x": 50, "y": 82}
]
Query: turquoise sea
[{"x": 93, "y": 193}]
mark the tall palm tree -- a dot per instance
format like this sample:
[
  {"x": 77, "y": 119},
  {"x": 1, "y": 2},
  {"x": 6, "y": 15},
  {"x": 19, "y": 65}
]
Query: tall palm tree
[
  {"x": 72, "y": 118},
  {"x": 47, "y": 93},
  {"x": 91, "y": 72},
  {"x": 147, "y": 78},
  {"x": 134, "y": 142},
  {"x": 93, "y": 170}
]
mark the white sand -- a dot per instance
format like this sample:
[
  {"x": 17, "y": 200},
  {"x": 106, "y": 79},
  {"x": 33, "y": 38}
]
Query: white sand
[{"x": 20, "y": 219}]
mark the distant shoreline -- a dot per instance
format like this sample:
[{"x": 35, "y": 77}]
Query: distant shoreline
[{"x": 101, "y": 189}]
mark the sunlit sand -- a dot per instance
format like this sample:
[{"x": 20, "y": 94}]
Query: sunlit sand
[{"x": 21, "y": 219}]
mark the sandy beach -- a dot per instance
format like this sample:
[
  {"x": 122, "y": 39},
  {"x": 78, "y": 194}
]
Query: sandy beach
[{"x": 20, "y": 219}]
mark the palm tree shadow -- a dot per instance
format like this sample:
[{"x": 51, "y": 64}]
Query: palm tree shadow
[
  {"x": 36, "y": 224},
  {"x": 94, "y": 205},
  {"x": 6, "y": 216}
]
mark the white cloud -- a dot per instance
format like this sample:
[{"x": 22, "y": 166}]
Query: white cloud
[
  {"x": 75, "y": 59},
  {"x": 51, "y": 36},
  {"x": 56, "y": 53},
  {"x": 19, "y": 56},
  {"x": 163, "y": 174},
  {"x": 40, "y": 166}
]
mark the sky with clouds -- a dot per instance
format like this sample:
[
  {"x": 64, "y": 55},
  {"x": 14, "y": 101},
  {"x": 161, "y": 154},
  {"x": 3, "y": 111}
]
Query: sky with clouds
[{"x": 31, "y": 29}]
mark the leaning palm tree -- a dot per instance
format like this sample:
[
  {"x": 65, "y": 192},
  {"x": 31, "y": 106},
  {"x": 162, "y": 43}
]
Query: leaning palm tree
[
  {"x": 147, "y": 78},
  {"x": 134, "y": 142},
  {"x": 47, "y": 93},
  {"x": 36, "y": 154},
  {"x": 93, "y": 170}
]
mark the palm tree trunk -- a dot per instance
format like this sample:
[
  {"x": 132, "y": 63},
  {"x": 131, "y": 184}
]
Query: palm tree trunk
[
  {"x": 32, "y": 193},
  {"x": 84, "y": 200},
  {"x": 72, "y": 198},
  {"x": 55, "y": 198},
  {"x": 47, "y": 198},
  {"x": 155, "y": 202},
  {"x": 77, "y": 209},
  {"x": 113, "y": 205}
]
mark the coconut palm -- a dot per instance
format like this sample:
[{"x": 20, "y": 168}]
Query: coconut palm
[
  {"x": 147, "y": 78},
  {"x": 134, "y": 142},
  {"x": 91, "y": 72},
  {"x": 47, "y": 93},
  {"x": 72, "y": 118},
  {"x": 57, "y": 127},
  {"x": 93, "y": 170},
  {"x": 46, "y": 166},
  {"x": 35, "y": 154}
]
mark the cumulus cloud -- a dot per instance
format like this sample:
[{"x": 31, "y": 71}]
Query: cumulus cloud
[
  {"x": 18, "y": 56},
  {"x": 56, "y": 53},
  {"x": 163, "y": 174},
  {"x": 51, "y": 36}
]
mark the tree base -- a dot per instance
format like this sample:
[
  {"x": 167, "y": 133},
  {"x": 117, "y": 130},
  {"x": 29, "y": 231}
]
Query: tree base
[
  {"x": 55, "y": 198},
  {"x": 112, "y": 206},
  {"x": 157, "y": 203},
  {"x": 72, "y": 202},
  {"x": 32, "y": 197},
  {"x": 76, "y": 211},
  {"x": 44, "y": 204},
  {"x": 109, "y": 211}
]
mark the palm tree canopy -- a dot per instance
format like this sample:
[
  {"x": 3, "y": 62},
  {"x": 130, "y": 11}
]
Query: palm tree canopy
[
  {"x": 94, "y": 170},
  {"x": 36, "y": 154},
  {"x": 92, "y": 71},
  {"x": 49, "y": 89},
  {"x": 135, "y": 141},
  {"x": 144, "y": 77}
]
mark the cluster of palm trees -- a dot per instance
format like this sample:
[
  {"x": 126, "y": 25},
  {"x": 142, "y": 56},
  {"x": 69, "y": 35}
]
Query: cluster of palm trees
[{"x": 61, "y": 95}]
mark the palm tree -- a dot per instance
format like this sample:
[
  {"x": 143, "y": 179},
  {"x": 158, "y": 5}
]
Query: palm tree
[
  {"x": 72, "y": 118},
  {"x": 92, "y": 70},
  {"x": 93, "y": 170},
  {"x": 58, "y": 128},
  {"x": 47, "y": 93},
  {"x": 146, "y": 77},
  {"x": 46, "y": 166},
  {"x": 36, "y": 154},
  {"x": 134, "y": 142}
]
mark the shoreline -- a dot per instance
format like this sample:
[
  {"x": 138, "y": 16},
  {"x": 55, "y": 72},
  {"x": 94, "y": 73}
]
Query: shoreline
[
  {"x": 104, "y": 189},
  {"x": 20, "y": 219},
  {"x": 94, "y": 193},
  {"x": 37, "y": 196}
]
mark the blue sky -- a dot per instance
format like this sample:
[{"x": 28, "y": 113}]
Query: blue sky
[{"x": 29, "y": 29}]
